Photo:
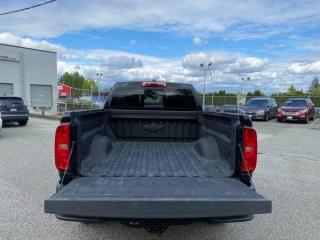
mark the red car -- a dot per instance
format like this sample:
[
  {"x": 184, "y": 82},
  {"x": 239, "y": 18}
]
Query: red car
[{"x": 296, "y": 109}]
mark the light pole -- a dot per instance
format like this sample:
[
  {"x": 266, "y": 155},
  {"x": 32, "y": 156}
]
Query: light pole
[
  {"x": 209, "y": 68},
  {"x": 99, "y": 74},
  {"x": 204, "y": 84},
  {"x": 245, "y": 83}
]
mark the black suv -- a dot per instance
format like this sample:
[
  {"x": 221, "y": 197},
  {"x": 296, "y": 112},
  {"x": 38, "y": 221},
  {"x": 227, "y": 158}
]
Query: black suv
[{"x": 13, "y": 110}]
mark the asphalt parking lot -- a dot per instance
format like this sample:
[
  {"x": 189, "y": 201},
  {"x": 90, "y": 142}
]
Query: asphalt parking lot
[{"x": 287, "y": 172}]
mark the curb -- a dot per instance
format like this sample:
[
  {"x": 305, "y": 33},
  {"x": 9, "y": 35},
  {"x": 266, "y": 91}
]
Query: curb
[{"x": 55, "y": 117}]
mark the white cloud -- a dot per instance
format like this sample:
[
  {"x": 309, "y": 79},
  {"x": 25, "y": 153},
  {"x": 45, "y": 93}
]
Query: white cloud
[
  {"x": 193, "y": 60},
  {"x": 192, "y": 17},
  {"x": 197, "y": 41},
  {"x": 247, "y": 65},
  {"x": 274, "y": 46},
  {"x": 8, "y": 38},
  {"x": 225, "y": 62},
  {"x": 227, "y": 67},
  {"x": 305, "y": 68},
  {"x": 122, "y": 62}
]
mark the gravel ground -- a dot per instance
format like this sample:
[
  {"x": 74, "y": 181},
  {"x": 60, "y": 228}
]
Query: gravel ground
[{"x": 287, "y": 173}]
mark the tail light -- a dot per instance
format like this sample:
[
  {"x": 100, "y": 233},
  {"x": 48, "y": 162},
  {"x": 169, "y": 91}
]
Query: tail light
[
  {"x": 154, "y": 84},
  {"x": 250, "y": 150},
  {"x": 62, "y": 146}
]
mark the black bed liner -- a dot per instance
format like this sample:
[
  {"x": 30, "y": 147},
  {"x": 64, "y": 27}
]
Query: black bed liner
[
  {"x": 156, "y": 198},
  {"x": 153, "y": 159}
]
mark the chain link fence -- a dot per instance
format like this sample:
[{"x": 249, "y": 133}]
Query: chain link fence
[
  {"x": 96, "y": 102},
  {"x": 240, "y": 99}
]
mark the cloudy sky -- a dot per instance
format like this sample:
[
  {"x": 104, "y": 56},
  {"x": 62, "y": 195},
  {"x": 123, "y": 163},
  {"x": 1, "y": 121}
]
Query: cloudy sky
[{"x": 275, "y": 43}]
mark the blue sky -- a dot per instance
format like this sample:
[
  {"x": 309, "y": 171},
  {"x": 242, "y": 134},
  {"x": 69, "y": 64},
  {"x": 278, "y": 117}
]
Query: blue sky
[{"x": 273, "y": 42}]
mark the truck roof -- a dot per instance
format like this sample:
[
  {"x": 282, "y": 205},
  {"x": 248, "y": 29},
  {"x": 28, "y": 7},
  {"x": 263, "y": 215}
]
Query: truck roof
[{"x": 138, "y": 83}]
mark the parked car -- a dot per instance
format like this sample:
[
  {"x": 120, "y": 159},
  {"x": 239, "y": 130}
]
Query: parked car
[
  {"x": 296, "y": 109},
  {"x": 153, "y": 158},
  {"x": 13, "y": 110},
  {"x": 261, "y": 108},
  {"x": 228, "y": 108},
  {"x": 0, "y": 122},
  {"x": 317, "y": 112},
  {"x": 210, "y": 108}
]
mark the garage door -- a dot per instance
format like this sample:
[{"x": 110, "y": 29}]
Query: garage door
[
  {"x": 6, "y": 89},
  {"x": 41, "y": 95}
]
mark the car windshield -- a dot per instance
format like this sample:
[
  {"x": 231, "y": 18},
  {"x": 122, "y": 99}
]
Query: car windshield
[
  {"x": 10, "y": 101},
  {"x": 257, "y": 102},
  {"x": 295, "y": 103},
  {"x": 163, "y": 98}
]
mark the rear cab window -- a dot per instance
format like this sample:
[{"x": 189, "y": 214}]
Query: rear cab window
[{"x": 171, "y": 97}]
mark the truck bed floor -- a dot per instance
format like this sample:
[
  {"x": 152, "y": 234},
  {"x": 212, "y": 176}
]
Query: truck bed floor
[{"x": 151, "y": 159}]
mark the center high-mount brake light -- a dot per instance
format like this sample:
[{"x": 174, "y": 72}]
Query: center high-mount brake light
[
  {"x": 154, "y": 84},
  {"x": 250, "y": 150},
  {"x": 62, "y": 146}
]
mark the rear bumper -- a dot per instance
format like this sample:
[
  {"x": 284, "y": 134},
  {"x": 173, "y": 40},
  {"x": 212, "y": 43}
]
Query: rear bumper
[
  {"x": 291, "y": 118},
  {"x": 15, "y": 117},
  {"x": 255, "y": 116},
  {"x": 243, "y": 218},
  {"x": 258, "y": 117}
]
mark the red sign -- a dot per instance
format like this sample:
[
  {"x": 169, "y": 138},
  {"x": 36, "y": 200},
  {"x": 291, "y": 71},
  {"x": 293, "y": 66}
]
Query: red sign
[{"x": 64, "y": 91}]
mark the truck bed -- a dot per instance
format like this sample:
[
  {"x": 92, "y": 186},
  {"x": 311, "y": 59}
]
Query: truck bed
[
  {"x": 150, "y": 164},
  {"x": 152, "y": 159}
]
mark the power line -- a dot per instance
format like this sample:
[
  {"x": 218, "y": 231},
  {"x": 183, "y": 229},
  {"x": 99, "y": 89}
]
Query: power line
[{"x": 27, "y": 8}]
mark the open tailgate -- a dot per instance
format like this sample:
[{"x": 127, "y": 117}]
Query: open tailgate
[{"x": 156, "y": 197}]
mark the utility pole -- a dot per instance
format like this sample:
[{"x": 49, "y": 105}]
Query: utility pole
[
  {"x": 99, "y": 74},
  {"x": 209, "y": 68},
  {"x": 204, "y": 85}
]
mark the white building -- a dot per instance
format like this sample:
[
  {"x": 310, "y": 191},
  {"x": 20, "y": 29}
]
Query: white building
[{"x": 30, "y": 74}]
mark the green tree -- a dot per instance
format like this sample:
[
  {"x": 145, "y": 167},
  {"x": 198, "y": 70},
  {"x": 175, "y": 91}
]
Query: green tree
[
  {"x": 221, "y": 93},
  {"x": 74, "y": 80},
  {"x": 90, "y": 85},
  {"x": 315, "y": 86},
  {"x": 258, "y": 93},
  {"x": 292, "y": 91},
  {"x": 78, "y": 83}
]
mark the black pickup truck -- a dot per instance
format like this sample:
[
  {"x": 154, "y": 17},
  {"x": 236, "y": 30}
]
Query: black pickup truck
[{"x": 152, "y": 158}]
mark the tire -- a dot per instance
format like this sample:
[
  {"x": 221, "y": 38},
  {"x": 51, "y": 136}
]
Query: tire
[
  {"x": 313, "y": 116},
  {"x": 279, "y": 120},
  {"x": 23, "y": 123},
  {"x": 307, "y": 120},
  {"x": 267, "y": 116}
]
